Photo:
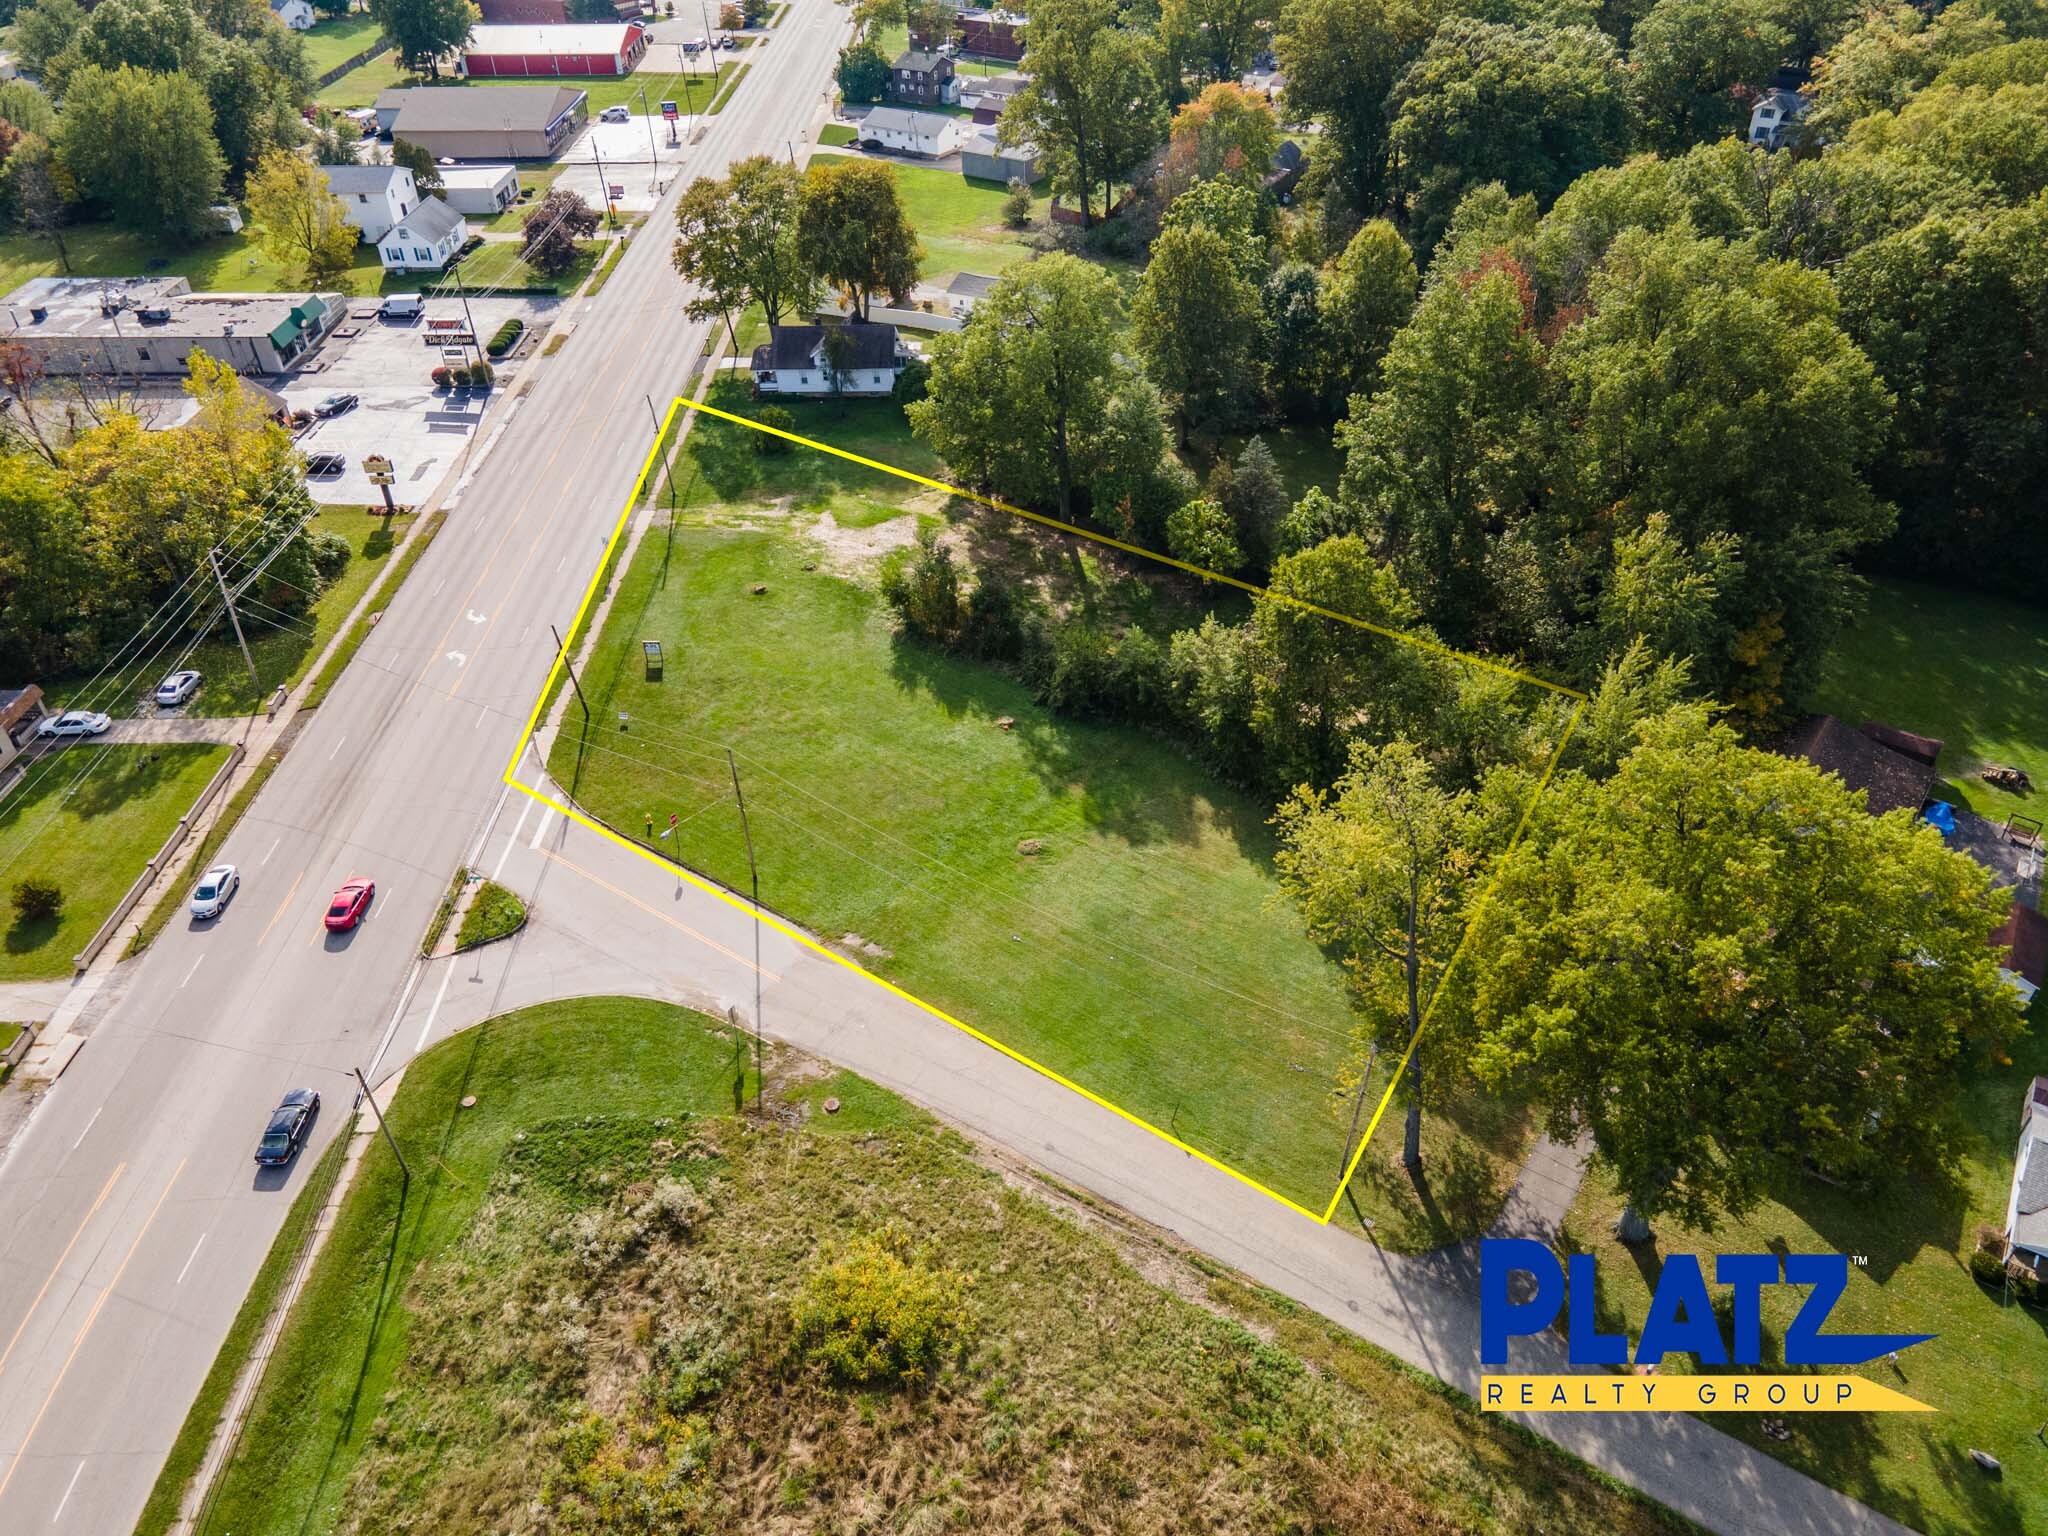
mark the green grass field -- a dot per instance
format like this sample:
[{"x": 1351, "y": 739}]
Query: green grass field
[
  {"x": 578, "y": 1317},
  {"x": 281, "y": 647},
  {"x": 91, "y": 835},
  {"x": 497, "y": 265},
  {"x": 1081, "y": 891},
  {"x": 961, "y": 223},
  {"x": 230, "y": 263},
  {"x": 333, "y": 42},
  {"x": 1981, "y": 1371},
  {"x": 1967, "y": 667},
  {"x": 533, "y": 186}
]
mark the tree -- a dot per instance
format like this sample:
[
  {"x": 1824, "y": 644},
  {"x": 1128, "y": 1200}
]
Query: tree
[
  {"x": 253, "y": 110},
  {"x": 1687, "y": 58},
  {"x": 553, "y": 229},
  {"x": 43, "y": 30},
  {"x": 1220, "y": 36},
  {"x": 41, "y": 192},
  {"x": 737, "y": 242},
  {"x": 1532, "y": 108},
  {"x": 1017, "y": 206},
  {"x": 862, "y": 73},
  {"x": 1092, "y": 103},
  {"x": 1381, "y": 866},
  {"x": 1341, "y": 59},
  {"x": 1233, "y": 210},
  {"x": 1196, "y": 322},
  {"x": 335, "y": 140},
  {"x": 426, "y": 172},
  {"x": 161, "y": 36},
  {"x": 27, "y": 108},
  {"x": 142, "y": 146},
  {"x": 303, "y": 223},
  {"x": 1724, "y": 968},
  {"x": 1298, "y": 355},
  {"x": 1225, "y": 131},
  {"x": 1200, "y": 533},
  {"x": 1022, "y": 398},
  {"x": 47, "y": 570},
  {"x": 931, "y": 22},
  {"x": 424, "y": 30},
  {"x": 1371, "y": 294},
  {"x": 852, "y": 231},
  {"x": 37, "y": 900},
  {"x": 1254, "y": 497}
]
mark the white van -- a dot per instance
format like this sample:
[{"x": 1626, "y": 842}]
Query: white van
[{"x": 402, "y": 306}]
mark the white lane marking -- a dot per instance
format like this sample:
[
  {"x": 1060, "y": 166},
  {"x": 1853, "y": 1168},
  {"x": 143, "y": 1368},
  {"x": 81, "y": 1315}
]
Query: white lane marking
[
  {"x": 273, "y": 848},
  {"x": 524, "y": 631},
  {"x": 540, "y": 829},
  {"x": 561, "y": 562},
  {"x": 481, "y": 715},
  {"x": 512, "y": 841},
  {"x": 188, "y": 1262},
  {"x": 95, "y": 1120},
  {"x": 438, "y": 586},
  {"x": 68, "y": 1487},
  {"x": 427, "y": 1028},
  {"x": 193, "y": 972},
  {"x": 458, "y": 657},
  {"x": 337, "y": 748}
]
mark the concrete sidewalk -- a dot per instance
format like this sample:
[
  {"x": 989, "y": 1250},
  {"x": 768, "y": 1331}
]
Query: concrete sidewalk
[{"x": 606, "y": 921}]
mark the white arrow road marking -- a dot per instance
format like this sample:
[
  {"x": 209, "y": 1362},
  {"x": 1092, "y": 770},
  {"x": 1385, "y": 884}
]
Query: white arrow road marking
[
  {"x": 474, "y": 617},
  {"x": 458, "y": 657}
]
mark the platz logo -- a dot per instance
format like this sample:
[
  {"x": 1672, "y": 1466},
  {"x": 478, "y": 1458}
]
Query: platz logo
[{"x": 1681, "y": 1317}]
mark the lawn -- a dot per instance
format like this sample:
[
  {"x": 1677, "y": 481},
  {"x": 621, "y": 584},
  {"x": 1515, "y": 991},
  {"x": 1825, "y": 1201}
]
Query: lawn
[
  {"x": 229, "y": 263},
  {"x": 88, "y": 818},
  {"x": 1080, "y": 890},
  {"x": 361, "y": 86},
  {"x": 497, "y": 265},
  {"x": 961, "y": 223},
  {"x": 580, "y": 1314},
  {"x": 533, "y": 186},
  {"x": 1982, "y": 1372},
  {"x": 282, "y": 647},
  {"x": 335, "y": 42},
  {"x": 1967, "y": 667}
]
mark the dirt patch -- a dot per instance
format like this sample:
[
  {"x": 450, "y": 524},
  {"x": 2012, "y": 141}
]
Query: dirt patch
[
  {"x": 854, "y": 944},
  {"x": 849, "y": 549}
]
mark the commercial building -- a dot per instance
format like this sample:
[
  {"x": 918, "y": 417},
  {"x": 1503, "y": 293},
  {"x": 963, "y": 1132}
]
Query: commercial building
[
  {"x": 480, "y": 191},
  {"x": 550, "y": 52},
  {"x": 146, "y": 327},
  {"x": 498, "y": 122}
]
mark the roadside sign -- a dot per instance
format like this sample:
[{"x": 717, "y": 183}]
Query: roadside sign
[
  {"x": 668, "y": 110},
  {"x": 617, "y": 190},
  {"x": 377, "y": 464}
]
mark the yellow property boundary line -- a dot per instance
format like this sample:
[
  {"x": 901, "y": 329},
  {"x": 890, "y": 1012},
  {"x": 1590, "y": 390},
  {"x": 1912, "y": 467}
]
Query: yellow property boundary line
[{"x": 738, "y": 903}]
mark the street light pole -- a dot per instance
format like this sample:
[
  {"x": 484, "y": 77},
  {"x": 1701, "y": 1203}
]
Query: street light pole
[
  {"x": 653, "y": 164},
  {"x": 754, "y": 875}
]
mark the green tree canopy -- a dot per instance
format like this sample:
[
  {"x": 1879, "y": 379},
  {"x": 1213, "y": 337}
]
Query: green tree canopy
[
  {"x": 424, "y": 30},
  {"x": 1196, "y": 324},
  {"x": 1370, "y": 296},
  {"x": 852, "y": 231},
  {"x": 141, "y": 146},
  {"x": 1687, "y": 58},
  {"x": 1092, "y": 104},
  {"x": 737, "y": 242}
]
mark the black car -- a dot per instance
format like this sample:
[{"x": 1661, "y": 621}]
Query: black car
[
  {"x": 334, "y": 405},
  {"x": 326, "y": 463},
  {"x": 287, "y": 1126}
]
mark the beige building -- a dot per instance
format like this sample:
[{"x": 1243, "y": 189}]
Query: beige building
[
  {"x": 485, "y": 122},
  {"x": 146, "y": 327}
]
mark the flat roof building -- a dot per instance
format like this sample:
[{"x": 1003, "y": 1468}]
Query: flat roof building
[{"x": 146, "y": 327}]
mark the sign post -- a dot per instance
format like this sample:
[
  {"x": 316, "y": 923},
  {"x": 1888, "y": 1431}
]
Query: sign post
[{"x": 379, "y": 469}]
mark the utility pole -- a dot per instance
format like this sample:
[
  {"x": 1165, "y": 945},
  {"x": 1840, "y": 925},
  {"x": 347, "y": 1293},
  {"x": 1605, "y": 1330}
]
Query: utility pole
[
  {"x": 467, "y": 318},
  {"x": 570, "y": 666},
  {"x": 604, "y": 187},
  {"x": 653, "y": 164},
  {"x": 754, "y": 875},
  {"x": 213, "y": 559},
  {"x": 404, "y": 1172}
]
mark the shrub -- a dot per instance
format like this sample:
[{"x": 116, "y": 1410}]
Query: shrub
[
  {"x": 1200, "y": 533},
  {"x": 1988, "y": 1268},
  {"x": 443, "y": 377},
  {"x": 2026, "y": 1285},
  {"x": 36, "y": 900},
  {"x": 913, "y": 383},
  {"x": 1017, "y": 206},
  {"x": 994, "y": 630},
  {"x": 506, "y": 338},
  {"x": 766, "y": 443},
  {"x": 924, "y": 589},
  {"x": 869, "y": 1314},
  {"x": 330, "y": 553}
]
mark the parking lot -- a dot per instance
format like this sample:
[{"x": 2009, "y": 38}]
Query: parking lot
[{"x": 387, "y": 363}]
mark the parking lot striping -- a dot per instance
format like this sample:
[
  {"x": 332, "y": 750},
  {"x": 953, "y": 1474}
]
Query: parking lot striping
[
  {"x": 69, "y": 1488},
  {"x": 288, "y": 895},
  {"x": 105, "y": 1190},
  {"x": 21, "y": 1451},
  {"x": 189, "y": 1258},
  {"x": 191, "y": 973},
  {"x": 541, "y": 829},
  {"x": 95, "y": 1120},
  {"x": 273, "y": 848},
  {"x": 434, "y": 1012}
]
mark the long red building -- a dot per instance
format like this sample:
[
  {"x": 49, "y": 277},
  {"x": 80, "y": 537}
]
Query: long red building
[{"x": 553, "y": 52}]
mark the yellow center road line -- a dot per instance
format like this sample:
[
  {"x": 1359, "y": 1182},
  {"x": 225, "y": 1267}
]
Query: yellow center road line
[
  {"x": 50, "y": 1279},
  {"x": 288, "y": 895},
  {"x": 21, "y": 1452},
  {"x": 657, "y": 913}
]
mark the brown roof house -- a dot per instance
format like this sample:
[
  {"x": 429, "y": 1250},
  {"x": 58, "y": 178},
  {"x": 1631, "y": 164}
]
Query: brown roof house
[
  {"x": 2024, "y": 937},
  {"x": 1893, "y": 768}
]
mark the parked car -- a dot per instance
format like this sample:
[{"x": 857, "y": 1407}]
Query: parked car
[
  {"x": 320, "y": 465},
  {"x": 176, "y": 689},
  {"x": 215, "y": 890},
  {"x": 401, "y": 306},
  {"x": 615, "y": 115},
  {"x": 694, "y": 45},
  {"x": 287, "y": 1127},
  {"x": 334, "y": 405},
  {"x": 349, "y": 904},
  {"x": 74, "y": 722}
]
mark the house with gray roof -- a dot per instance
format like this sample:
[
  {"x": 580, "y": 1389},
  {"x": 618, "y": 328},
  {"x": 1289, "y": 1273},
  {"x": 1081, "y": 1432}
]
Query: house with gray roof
[
  {"x": 797, "y": 360},
  {"x": 2026, "y": 1208},
  {"x": 924, "y": 79},
  {"x": 984, "y": 158},
  {"x": 928, "y": 135},
  {"x": 425, "y": 240},
  {"x": 376, "y": 196}
]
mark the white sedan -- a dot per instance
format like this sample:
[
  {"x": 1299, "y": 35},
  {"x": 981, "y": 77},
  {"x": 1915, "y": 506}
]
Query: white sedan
[
  {"x": 74, "y": 722},
  {"x": 215, "y": 890},
  {"x": 176, "y": 689}
]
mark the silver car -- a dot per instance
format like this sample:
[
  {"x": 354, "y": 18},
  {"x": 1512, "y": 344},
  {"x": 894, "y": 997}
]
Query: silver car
[
  {"x": 215, "y": 890},
  {"x": 176, "y": 689},
  {"x": 74, "y": 722}
]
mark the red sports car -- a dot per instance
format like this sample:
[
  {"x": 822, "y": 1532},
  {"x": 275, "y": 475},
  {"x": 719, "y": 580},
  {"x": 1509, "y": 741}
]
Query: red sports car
[{"x": 349, "y": 905}]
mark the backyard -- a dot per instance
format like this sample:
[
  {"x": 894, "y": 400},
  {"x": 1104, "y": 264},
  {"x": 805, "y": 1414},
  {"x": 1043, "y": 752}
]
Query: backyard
[
  {"x": 227, "y": 263},
  {"x": 960, "y": 222},
  {"x": 562, "y": 1317},
  {"x": 87, "y": 819},
  {"x": 1081, "y": 890},
  {"x": 1911, "y": 1245},
  {"x": 1967, "y": 667},
  {"x": 333, "y": 43}
]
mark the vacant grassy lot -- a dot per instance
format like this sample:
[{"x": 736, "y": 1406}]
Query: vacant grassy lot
[
  {"x": 1079, "y": 890},
  {"x": 1980, "y": 1373},
  {"x": 1967, "y": 667},
  {"x": 497, "y": 265},
  {"x": 586, "y": 1323},
  {"x": 88, "y": 819},
  {"x": 333, "y": 42},
  {"x": 282, "y": 645},
  {"x": 961, "y": 222}
]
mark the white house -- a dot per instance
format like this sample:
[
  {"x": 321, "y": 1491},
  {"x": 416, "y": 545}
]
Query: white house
[
  {"x": 1776, "y": 113},
  {"x": 377, "y": 196},
  {"x": 2026, "y": 1208},
  {"x": 929, "y": 134},
  {"x": 967, "y": 290},
  {"x": 479, "y": 190},
  {"x": 296, "y": 14},
  {"x": 425, "y": 240},
  {"x": 795, "y": 362}
]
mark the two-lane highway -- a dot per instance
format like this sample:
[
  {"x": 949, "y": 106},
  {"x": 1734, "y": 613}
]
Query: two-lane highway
[{"x": 132, "y": 1215}]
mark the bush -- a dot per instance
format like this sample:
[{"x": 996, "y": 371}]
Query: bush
[
  {"x": 767, "y": 444},
  {"x": 443, "y": 377},
  {"x": 1988, "y": 1269},
  {"x": 913, "y": 383},
  {"x": 331, "y": 554},
  {"x": 1017, "y": 206},
  {"x": 1201, "y": 534},
  {"x": 871, "y": 1315},
  {"x": 924, "y": 589},
  {"x": 37, "y": 901},
  {"x": 506, "y": 338},
  {"x": 1079, "y": 667},
  {"x": 995, "y": 620},
  {"x": 2026, "y": 1285}
]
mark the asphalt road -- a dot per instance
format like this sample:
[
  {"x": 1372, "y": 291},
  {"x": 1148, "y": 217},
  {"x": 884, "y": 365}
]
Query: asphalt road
[{"x": 132, "y": 1218}]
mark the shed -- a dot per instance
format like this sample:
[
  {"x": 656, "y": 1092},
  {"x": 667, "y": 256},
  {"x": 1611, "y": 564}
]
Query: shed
[
  {"x": 1865, "y": 757},
  {"x": 984, "y": 158}
]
